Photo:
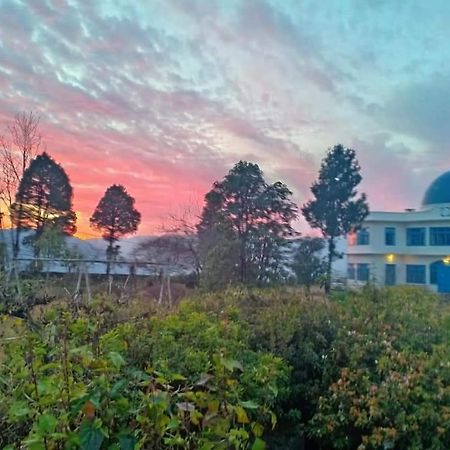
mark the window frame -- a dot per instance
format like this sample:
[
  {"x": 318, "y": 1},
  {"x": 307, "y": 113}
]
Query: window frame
[
  {"x": 363, "y": 236},
  {"x": 393, "y": 235},
  {"x": 394, "y": 266},
  {"x": 410, "y": 242},
  {"x": 359, "y": 268},
  {"x": 423, "y": 279},
  {"x": 433, "y": 237}
]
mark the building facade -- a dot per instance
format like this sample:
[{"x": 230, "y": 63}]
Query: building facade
[{"x": 410, "y": 247}]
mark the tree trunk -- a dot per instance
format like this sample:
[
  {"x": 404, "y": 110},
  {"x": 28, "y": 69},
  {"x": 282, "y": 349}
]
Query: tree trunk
[
  {"x": 331, "y": 252},
  {"x": 109, "y": 251},
  {"x": 16, "y": 243},
  {"x": 242, "y": 263}
]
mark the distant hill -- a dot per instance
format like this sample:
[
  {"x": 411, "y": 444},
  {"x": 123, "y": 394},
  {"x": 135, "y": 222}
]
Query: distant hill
[{"x": 167, "y": 250}]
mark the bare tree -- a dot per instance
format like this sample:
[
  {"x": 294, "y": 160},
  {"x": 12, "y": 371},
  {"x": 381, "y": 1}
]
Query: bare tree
[
  {"x": 18, "y": 147},
  {"x": 184, "y": 224}
]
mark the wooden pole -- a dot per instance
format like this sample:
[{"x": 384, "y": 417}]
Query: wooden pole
[
  {"x": 169, "y": 290},
  {"x": 161, "y": 290},
  {"x": 88, "y": 286}
]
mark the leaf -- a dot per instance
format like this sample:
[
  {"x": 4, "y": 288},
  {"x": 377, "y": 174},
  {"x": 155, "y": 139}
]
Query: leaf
[
  {"x": 259, "y": 444},
  {"x": 241, "y": 415},
  {"x": 116, "y": 359},
  {"x": 177, "y": 377},
  {"x": 250, "y": 404},
  {"x": 118, "y": 386},
  {"x": 47, "y": 386},
  {"x": 232, "y": 364},
  {"x": 204, "y": 379},
  {"x": 91, "y": 437},
  {"x": 173, "y": 424},
  {"x": 19, "y": 409},
  {"x": 257, "y": 429},
  {"x": 127, "y": 442},
  {"x": 47, "y": 423},
  {"x": 89, "y": 409}
]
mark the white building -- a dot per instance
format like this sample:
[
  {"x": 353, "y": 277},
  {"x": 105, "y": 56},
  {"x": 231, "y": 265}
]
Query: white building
[{"x": 410, "y": 247}]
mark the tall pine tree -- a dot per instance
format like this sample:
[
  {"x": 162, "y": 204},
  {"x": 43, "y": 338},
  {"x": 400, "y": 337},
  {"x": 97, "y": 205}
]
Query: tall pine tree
[
  {"x": 255, "y": 215},
  {"x": 115, "y": 216},
  {"x": 44, "y": 198},
  {"x": 335, "y": 209}
]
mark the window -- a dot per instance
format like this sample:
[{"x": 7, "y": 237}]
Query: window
[
  {"x": 415, "y": 273},
  {"x": 351, "y": 271},
  {"x": 415, "y": 236},
  {"x": 363, "y": 237},
  {"x": 390, "y": 278},
  {"x": 440, "y": 236},
  {"x": 389, "y": 236},
  {"x": 362, "y": 272}
]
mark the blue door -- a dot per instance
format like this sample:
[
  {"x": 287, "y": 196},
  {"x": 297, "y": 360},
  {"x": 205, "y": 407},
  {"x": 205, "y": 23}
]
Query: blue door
[{"x": 443, "y": 278}]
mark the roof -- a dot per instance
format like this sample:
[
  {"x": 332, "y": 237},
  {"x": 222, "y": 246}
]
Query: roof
[{"x": 439, "y": 191}]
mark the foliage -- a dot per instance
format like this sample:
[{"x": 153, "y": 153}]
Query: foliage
[
  {"x": 44, "y": 198},
  {"x": 86, "y": 382},
  {"x": 115, "y": 216},
  {"x": 256, "y": 213},
  {"x": 220, "y": 260},
  {"x": 390, "y": 376},
  {"x": 231, "y": 369},
  {"x": 361, "y": 366},
  {"x": 335, "y": 210},
  {"x": 309, "y": 267},
  {"x": 19, "y": 297}
]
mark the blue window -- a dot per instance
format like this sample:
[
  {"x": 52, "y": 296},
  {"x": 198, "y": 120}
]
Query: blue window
[
  {"x": 415, "y": 236},
  {"x": 389, "y": 235},
  {"x": 351, "y": 271},
  {"x": 363, "y": 237},
  {"x": 390, "y": 278},
  {"x": 440, "y": 236},
  {"x": 362, "y": 272},
  {"x": 415, "y": 273}
]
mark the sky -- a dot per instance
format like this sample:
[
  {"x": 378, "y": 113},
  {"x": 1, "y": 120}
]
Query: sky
[{"x": 164, "y": 96}]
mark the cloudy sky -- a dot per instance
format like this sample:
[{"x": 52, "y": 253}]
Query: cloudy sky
[{"x": 164, "y": 96}]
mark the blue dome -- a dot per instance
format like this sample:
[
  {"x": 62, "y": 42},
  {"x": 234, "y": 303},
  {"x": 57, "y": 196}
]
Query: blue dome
[{"x": 438, "y": 191}]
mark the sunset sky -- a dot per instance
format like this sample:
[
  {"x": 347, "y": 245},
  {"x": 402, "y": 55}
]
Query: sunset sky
[{"x": 164, "y": 96}]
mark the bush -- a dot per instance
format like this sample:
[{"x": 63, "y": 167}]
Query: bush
[
  {"x": 366, "y": 370},
  {"x": 81, "y": 382},
  {"x": 362, "y": 365},
  {"x": 390, "y": 374}
]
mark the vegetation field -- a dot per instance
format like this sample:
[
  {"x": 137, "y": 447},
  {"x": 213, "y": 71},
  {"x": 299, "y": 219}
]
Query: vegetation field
[{"x": 238, "y": 369}]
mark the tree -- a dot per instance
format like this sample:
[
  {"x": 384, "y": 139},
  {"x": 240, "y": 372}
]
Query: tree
[
  {"x": 308, "y": 265},
  {"x": 17, "y": 149},
  {"x": 183, "y": 225},
  {"x": 115, "y": 216},
  {"x": 335, "y": 210},
  {"x": 51, "y": 244},
  {"x": 44, "y": 199},
  {"x": 256, "y": 214},
  {"x": 220, "y": 259}
]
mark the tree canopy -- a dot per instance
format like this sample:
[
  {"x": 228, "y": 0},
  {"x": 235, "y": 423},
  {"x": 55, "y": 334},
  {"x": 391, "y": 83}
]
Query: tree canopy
[
  {"x": 44, "y": 198},
  {"x": 308, "y": 264},
  {"x": 255, "y": 214},
  {"x": 115, "y": 216},
  {"x": 335, "y": 209}
]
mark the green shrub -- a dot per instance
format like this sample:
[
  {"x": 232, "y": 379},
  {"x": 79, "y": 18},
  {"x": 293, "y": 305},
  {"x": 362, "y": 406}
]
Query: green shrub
[
  {"x": 367, "y": 370},
  {"x": 79, "y": 383}
]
